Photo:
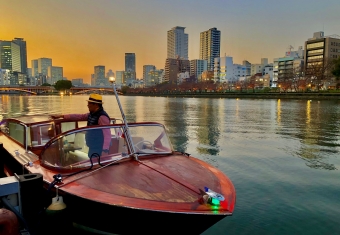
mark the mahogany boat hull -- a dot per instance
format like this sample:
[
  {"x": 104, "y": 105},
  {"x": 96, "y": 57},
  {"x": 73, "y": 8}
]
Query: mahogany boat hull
[
  {"x": 120, "y": 220},
  {"x": 160, "y": 192}
]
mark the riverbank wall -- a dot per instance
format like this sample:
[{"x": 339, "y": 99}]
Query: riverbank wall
[{"x": 288, "y": 95}]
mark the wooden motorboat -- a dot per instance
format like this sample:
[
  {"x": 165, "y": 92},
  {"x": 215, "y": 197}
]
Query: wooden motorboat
[{"x": 141, "y": 186}]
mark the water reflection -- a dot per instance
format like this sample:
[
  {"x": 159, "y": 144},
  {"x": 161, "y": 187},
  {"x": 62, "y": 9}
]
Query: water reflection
[
  {"x": 176, "y": 122},
  {"x": 208, "y": 131},
  {"x": 278, "y": 115},
  {"x": 316, "y": 127},
  {"x": 308, "y": 130}
]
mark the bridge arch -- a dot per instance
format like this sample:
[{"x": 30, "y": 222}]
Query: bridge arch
[
  {"x": 95, "y": 90},
  {"x": 17, "y": 89}
]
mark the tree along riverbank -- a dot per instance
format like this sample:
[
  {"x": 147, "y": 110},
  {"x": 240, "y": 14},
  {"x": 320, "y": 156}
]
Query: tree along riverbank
[{"x": 269, "y": 95}]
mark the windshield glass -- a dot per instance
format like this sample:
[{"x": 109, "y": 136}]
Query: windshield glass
[{"x": 75, "y": 148}]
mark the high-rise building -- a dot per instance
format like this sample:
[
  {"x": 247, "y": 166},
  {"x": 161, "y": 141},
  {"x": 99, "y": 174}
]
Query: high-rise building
[
  {"x": 146, "y": 70},
  {"x": 210, "y": 46},
  {"x": 130, "y": 66},
  {"x": 43, "y": 64},
  {"x": 54, "y": 74},
  {"x": 99, "y": 75},
  {"x": 34, "y": 65},
  {"x": 130, "y": 62},
  {"x": 177, "y": 42},
  {"x": 10, "y": 60},
  {"x": 10, "y": 56},
  {"x": 119, "y": 77},
  {"x": 23, "y": 53}
]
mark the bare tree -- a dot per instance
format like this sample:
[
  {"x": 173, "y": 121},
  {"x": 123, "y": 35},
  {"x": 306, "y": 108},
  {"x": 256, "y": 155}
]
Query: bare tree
[{"x": 319, "y": 72}]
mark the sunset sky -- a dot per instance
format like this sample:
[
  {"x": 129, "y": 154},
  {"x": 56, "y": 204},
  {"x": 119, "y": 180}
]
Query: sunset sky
[{"x": 80, "y": 34}]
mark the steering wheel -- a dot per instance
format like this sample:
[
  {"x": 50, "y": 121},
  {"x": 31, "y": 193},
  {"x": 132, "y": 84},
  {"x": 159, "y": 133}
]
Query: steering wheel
[{"x": 144, "y": 142}]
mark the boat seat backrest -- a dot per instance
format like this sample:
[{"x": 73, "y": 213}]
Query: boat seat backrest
[
  {"x": 81, "y": 153},
  {"x": 79, "y": 141}
]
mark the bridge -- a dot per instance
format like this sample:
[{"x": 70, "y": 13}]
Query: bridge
[
  {"x": 35, "y": 90},
  {"x": 86, "y": 90}
]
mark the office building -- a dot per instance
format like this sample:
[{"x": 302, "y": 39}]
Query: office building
[
  {"x": 54, "y": 74},
  {"x": 43, "y": 64},
  {"x": 119, "y": 77},
  {"x": 153, "y": 78},
  {"x": 210, "y": 46},
  {"x": 77, "y": 82},
  {"x": 177, "y": 43},
  {"x": 23, "y": 53},
  {"x": 99, "y": 76},
  {"x": 320, "y": 48},
  {"x": 288, "y": 66},
  {"x": 34, "y": 67},
  {"x": 146, "y": 70},
  {"x": 130, "y": 66},
  {"x": 130, "y": 62},
  {"x": 10, "y": 56}
]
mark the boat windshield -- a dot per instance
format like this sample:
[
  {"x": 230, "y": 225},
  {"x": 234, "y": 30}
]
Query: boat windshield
[
  {"x": 33, "y": 136},
  {"x": 74, "y": 148}
]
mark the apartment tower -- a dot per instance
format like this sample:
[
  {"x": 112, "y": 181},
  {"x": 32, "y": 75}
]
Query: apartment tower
[
  {"x": 210, "y": 46},
  {"x": 177, "y": 43}
]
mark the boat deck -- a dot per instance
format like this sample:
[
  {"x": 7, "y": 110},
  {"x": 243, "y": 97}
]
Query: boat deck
[{"x": 166, "y": 183}]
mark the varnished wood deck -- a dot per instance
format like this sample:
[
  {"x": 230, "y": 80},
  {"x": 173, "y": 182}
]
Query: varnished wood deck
[{"x": 167, "y": 183}]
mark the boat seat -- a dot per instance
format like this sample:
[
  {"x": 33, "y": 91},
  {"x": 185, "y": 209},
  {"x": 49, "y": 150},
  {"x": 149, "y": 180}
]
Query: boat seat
[
  {"x": 80, "y": 154},
  {"x": 118, "y": 144}
]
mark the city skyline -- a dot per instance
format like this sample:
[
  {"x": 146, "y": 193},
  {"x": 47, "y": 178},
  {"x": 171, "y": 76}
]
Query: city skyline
[{"x": 81, "y": 34}]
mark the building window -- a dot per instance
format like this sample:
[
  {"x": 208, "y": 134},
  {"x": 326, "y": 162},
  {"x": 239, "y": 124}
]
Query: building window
[
  {"x": 315, "y": 57},
  {"x": 314, "y": 45},
  {"x": 315, "y": 52}
]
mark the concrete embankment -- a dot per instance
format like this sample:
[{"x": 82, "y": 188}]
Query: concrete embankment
[{"x": 289, "y": 95}]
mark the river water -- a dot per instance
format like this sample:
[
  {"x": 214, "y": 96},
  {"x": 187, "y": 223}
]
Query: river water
[{"x": 281, "y": 155}]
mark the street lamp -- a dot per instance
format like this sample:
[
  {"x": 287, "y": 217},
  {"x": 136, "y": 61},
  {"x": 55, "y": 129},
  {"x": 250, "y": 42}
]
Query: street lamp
[{"x": 112, "y": 79}]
